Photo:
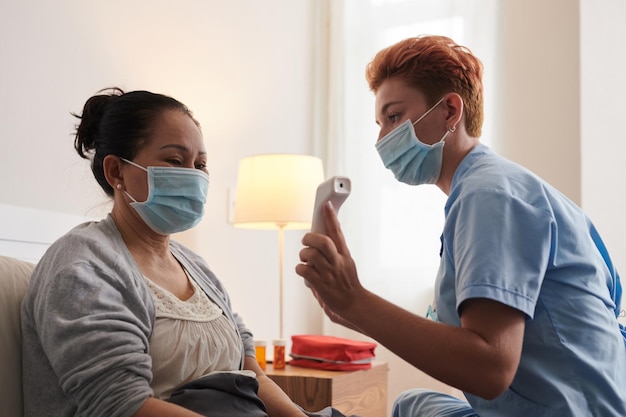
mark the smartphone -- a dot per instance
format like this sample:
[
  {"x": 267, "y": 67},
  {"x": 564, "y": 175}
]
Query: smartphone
[{"x": 335, "y": 189}]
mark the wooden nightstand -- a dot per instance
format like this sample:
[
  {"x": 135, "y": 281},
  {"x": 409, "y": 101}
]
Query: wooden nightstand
[{"x": 363, "y": 393}]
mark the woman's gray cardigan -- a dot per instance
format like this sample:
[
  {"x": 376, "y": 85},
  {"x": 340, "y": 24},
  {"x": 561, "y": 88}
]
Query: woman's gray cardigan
[{"x": 87, "y": 318}]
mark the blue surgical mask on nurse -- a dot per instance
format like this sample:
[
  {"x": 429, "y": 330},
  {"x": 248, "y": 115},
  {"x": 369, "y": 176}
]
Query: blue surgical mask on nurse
[{"x": 412, "y": 161}]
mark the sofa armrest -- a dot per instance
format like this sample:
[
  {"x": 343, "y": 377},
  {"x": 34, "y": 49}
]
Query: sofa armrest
[{"x": 14, "y": 277}]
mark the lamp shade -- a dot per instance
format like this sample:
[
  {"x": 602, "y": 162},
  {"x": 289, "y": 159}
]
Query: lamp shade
[{"x": 276, "y": 190}]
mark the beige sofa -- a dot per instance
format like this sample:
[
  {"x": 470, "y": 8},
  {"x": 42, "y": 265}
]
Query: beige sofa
[{"x": 14, "y": 276}]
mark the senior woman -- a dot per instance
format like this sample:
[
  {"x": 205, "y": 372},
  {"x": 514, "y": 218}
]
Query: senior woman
[
  {"x": 118, "y": 316},
  {"x": 526, "y": 295}
]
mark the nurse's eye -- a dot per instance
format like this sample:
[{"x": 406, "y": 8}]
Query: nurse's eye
[
  {"x": 393, "y": 117},
  {"x": 201, "y": 165}
]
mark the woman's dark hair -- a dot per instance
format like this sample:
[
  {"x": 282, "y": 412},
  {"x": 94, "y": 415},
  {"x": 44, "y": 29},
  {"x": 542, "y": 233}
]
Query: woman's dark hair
[{"x": 117, "y": 123}]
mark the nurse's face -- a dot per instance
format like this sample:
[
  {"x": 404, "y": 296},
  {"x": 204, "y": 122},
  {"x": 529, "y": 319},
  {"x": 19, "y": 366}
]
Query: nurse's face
[{"x": 396, "y": 101}]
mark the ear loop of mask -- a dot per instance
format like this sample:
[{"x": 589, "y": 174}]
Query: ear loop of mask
[
  {"x": 138, "y": 166},
  {"x": 429, "y": 110},
  {"x": 134, "y": 163}
]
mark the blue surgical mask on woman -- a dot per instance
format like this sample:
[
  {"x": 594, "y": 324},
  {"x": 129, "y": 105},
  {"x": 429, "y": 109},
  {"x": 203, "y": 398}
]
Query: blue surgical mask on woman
[
  {"x": 176, "y": 198},
  {"x": 412, "y": 161}
]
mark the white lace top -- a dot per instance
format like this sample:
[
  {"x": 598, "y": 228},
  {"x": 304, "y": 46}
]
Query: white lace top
[{"x": 190, "y": 339}]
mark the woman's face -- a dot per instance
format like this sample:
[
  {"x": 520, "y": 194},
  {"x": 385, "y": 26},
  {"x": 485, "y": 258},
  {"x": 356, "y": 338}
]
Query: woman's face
[
  {"x": 396, "y": 102},
  {"x": 176, "y": 141}
]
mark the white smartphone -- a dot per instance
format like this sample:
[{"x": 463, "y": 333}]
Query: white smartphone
[{"x": 336, "y": 189}]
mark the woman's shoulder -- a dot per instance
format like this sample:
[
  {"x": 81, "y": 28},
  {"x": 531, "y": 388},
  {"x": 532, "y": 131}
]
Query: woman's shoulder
[
  {"x": 89, "y": 249},
  {"x": 93, "y": 259},
  {"x": 86, "y": 239}
]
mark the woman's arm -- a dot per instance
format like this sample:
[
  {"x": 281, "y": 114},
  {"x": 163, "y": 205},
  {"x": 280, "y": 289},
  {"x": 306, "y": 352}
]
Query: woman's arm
[{"x": 277, "y": 402}]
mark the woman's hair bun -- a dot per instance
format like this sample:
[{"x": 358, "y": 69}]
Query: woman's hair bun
[{"x": 87, "y": 130}]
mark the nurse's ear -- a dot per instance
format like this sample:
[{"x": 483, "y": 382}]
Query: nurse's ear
[{"x": 454, "y": 108}]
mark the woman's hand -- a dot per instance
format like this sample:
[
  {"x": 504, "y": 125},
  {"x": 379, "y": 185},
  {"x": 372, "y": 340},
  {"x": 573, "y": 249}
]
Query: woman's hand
[{"x": 276, "y": 401}]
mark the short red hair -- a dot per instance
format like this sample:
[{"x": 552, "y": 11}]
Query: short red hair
[{"x": 435, "y": 65}]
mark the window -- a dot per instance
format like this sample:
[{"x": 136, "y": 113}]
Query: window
[{"x": 393, "y": 229}]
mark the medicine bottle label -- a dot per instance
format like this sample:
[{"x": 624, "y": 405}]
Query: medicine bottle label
[
  {"x": 279, "y": 354},
  {"x": 259, "y": 347}
]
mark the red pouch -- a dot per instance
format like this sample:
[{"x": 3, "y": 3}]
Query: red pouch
[{"x": 331, "y": 353}]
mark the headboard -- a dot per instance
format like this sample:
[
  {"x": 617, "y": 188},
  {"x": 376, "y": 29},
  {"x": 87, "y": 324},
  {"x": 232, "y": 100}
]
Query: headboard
[{"x": 26, "y": 233}]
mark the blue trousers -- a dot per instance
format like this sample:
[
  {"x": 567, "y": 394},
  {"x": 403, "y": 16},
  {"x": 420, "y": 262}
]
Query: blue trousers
[{"x": 425, "y": 403}]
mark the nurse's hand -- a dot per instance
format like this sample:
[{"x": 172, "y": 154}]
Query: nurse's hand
[
  {"x": 334, "y": 317},
  {"x": 329, "y": 269}
]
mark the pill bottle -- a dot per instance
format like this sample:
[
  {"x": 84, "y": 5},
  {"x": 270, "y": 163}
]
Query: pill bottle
[
  {"x": 259, "y": 347},
  {"x": 279, "y": 353}
]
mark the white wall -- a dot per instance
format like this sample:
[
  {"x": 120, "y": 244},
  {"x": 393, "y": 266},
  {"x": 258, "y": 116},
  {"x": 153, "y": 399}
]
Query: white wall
[
  {"x": 243, "y": 67},
  {"x": 603, "y": 87},
  {"x": 537, "y": 92}
]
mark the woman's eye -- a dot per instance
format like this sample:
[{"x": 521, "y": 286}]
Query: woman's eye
[
  {"x": 393, "y": 118},
  {"x": 201, "y": 165},
  {"x": 175, "y": 162}
]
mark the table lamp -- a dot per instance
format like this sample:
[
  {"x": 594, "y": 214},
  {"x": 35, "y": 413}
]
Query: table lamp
[{"x": 277, "y": 191}]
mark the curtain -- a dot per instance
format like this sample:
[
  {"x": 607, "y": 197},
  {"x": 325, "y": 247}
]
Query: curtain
[{"x": 392, "y": 229}]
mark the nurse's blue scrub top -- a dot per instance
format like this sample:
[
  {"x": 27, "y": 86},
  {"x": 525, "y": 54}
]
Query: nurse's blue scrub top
[{"x": 511, "y": 237}]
